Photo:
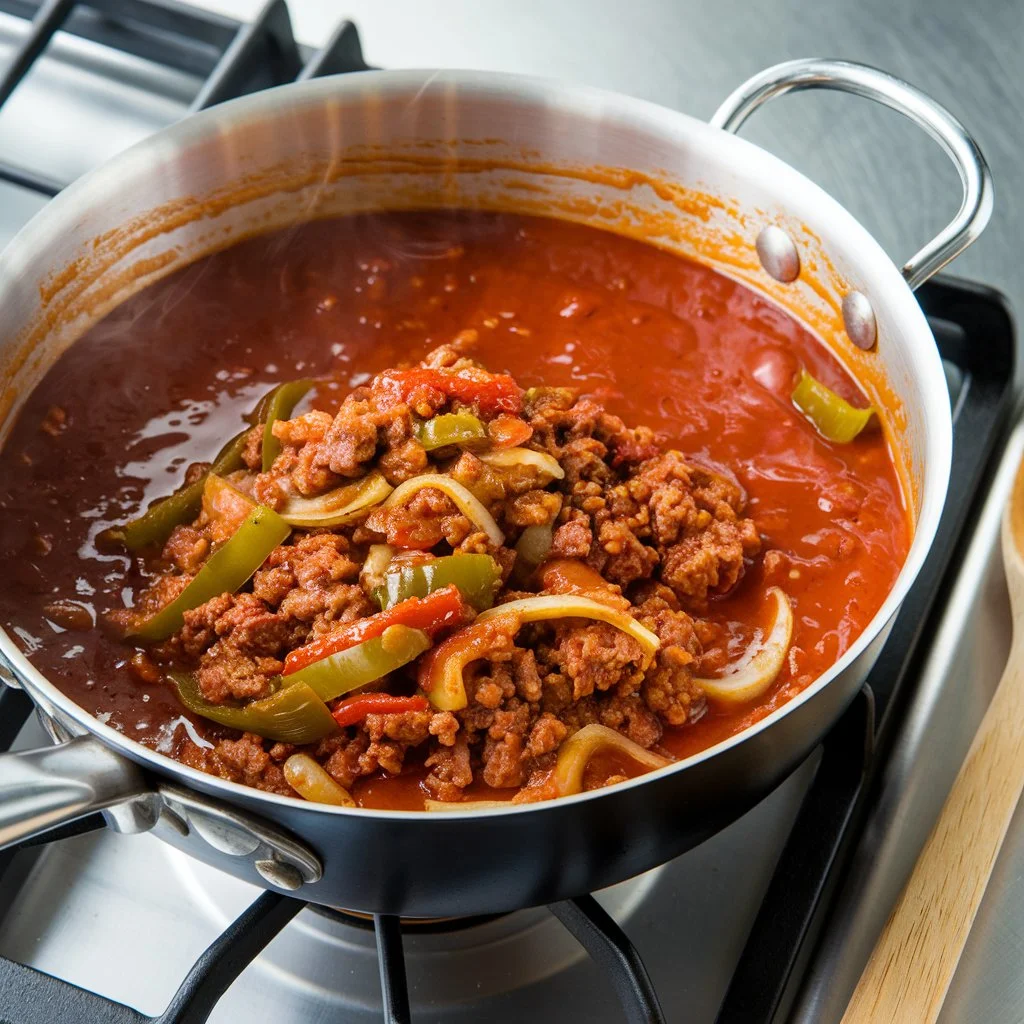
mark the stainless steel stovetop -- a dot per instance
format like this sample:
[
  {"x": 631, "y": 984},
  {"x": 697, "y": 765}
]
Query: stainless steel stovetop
[{"x": 126, "y": 916}]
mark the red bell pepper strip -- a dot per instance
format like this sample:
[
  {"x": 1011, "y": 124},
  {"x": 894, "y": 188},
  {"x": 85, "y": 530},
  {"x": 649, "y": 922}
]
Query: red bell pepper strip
[
  {"x": 489, "y": 392},
  {"x": 355, "y": 709},
  {"x": 443, "y": 607},
  {"x": 509, "y": 431},
  {"x": 571, "y": 576}
]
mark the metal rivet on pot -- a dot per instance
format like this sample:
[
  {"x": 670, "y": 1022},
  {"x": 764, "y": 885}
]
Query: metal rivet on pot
[
  {"x": 859, "y": 320},
  {"x": 222, "y": 834},
  {"x": 778, "y": 255},
  {"x": 284, "y": 876}
]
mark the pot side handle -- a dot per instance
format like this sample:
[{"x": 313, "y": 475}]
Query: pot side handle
[
  {"x": 50, "y": 786},
  {"x": 936, "y": 120}
]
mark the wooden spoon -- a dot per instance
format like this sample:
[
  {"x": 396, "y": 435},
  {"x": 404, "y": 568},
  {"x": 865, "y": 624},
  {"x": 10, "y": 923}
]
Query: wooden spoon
[{"x": 909, "y": 972}]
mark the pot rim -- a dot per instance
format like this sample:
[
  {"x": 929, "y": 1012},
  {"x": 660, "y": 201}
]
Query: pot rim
[{"x": 891, "y": 294}]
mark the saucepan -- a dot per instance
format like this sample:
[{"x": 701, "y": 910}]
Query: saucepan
[{"x": 405, "y": 140}]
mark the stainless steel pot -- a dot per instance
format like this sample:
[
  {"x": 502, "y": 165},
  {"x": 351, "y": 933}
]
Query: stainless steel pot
[{"x": 412, "y": 140}]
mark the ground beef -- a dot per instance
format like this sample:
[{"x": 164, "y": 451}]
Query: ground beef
[
  {"x": 252, "y": 452},
  {"x": 409, "y": 727},
  {"x": 342, "y": 756},
  {"x": 573, "y": 539},
  {"x": 244, "y": 760},
  {"x": 226, "y": 673},
  {"x": 668, "y": 688},
  {"x": 711, "y": 561},
  {"x": 696, "y": 526},
  {"x": 445, "y": 726},
  {"x": 403, "y": 461},
  {"x": 429, "y": 518},
  {"x": 313, "y": 583},
  {"x": 635, "y": 526},
  {"x": 450, "y": 770},
  {"x": 534, "y": 508},
  {"x": 596, "y": 657},
  {"x": 199, "y": 630},
  {"x": 632, "y": 717},
  {"x": 186, "y": 549},
  {"x": 351, "y": 439},
  {"x": 546, "y": 735}
]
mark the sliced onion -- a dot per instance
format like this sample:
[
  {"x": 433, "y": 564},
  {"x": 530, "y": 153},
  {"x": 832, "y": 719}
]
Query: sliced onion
[
  {"x": 338, "y": 507},
  {"x": 466, "y": 805},
  {"x": 564, "y": 606},
  {"x": 509, "y": 458},
  {"x": 312, "y": 782},
  {"x": 378, "y": 558},
  {"x": 576, "y": 752},
  {"x": 468, "y": 505},
  {"x": 758, "y": 668}
]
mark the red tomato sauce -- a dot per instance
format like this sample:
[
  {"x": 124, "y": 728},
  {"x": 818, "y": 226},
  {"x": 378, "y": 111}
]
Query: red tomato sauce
[{"x": 163, "y": 380}]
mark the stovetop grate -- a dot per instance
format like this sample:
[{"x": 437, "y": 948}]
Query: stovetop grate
[
  {"x": 975, "y": 335},
  {"x": 232, "y": 58}
]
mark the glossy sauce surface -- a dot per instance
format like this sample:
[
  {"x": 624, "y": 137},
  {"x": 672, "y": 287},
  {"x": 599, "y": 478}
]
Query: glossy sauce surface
[{"x": 167, "y": 377}]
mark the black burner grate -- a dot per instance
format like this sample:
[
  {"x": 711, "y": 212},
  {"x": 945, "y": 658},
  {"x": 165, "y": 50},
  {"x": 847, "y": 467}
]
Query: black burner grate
[
  {"x": 232, "y": 58},
  {"x": 975, "y": 335}
]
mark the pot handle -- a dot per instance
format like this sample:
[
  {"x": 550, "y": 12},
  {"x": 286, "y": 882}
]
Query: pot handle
[
  {"x": 50, "y": 786},
  {"x": 936, "y": 120},
  {"x": 41, "y": 789}
]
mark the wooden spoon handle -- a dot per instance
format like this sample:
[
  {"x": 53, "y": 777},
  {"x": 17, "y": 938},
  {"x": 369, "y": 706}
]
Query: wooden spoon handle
[{"x": 913, "y": 963}]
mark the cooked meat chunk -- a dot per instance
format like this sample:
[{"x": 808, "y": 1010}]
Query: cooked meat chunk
[
  {"x": 244, "y": 760},
  {"x": 711, "y": 561},
  {"x": 351, "y": 439},
  {"x": 450, "y": 770},
  {"x": 596, "y": 657},
  {"x": 696, "y": 526},
  {"x": 226, "y": 673}
]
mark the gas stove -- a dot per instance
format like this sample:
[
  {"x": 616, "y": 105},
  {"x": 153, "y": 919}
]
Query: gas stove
[{"x": 772, "y": 917}]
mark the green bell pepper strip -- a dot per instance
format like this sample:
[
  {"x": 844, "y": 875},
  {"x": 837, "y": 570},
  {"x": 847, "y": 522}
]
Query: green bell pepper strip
[
  {"x": 531, "y": 549},
  {"x": 154, "y": 526},
  {"x": 449, "y": 428},
  {"x": 279, "y": 405},
  {"x": 227, "y": 569},
  {"x": 834, "y": 417},
  {"x": 365, "y": 663},
  {"x": 477, "y": 577},
  {"x": 294, "y": 714}
]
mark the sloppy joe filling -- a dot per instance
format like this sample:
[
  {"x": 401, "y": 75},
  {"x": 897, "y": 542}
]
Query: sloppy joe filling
[{"x": 430, "y": 510}]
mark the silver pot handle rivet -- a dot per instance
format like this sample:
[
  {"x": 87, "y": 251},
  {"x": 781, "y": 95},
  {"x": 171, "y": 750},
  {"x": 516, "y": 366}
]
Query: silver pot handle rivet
[
  {"x": 859, "y": 320},
  {"x": 284, "y": 876},
  {"x": 778, "y": 254},
  {"x": 276, "y": 855}
]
